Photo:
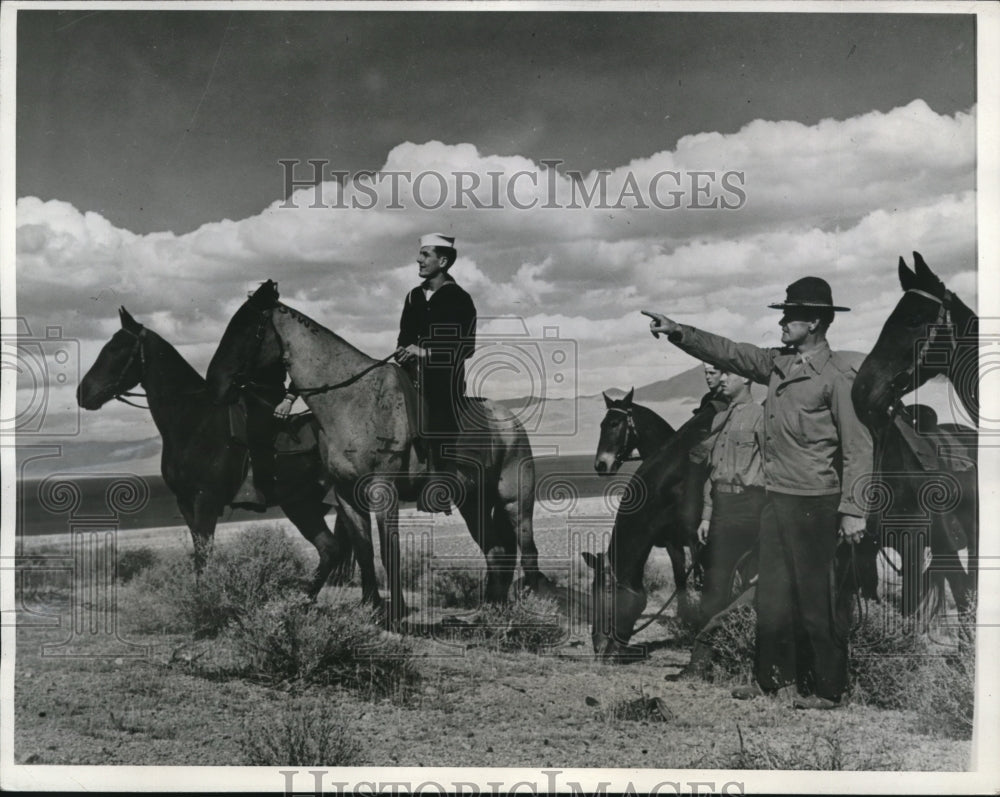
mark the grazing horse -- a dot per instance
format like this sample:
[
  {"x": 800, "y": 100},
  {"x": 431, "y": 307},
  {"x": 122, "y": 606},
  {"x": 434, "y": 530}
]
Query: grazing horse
[
  {"x": 651, "y": 513},
  {"x": 202, "y": 465},
  {"x": 366, "y": 410},
  {"x": 926, "y": 473}
]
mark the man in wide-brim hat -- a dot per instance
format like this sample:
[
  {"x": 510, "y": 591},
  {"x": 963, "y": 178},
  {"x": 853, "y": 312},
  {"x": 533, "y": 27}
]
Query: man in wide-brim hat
[{"x": 817, "y": 457}]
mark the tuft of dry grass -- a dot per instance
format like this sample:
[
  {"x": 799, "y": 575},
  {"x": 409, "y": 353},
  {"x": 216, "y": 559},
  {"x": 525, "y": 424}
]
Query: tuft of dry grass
[
  {"x": 827, "y": 752},
  {"x": 302, "y": 734}
]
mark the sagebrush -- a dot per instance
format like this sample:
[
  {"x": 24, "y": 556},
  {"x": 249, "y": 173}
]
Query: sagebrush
[
  {"x": 287, "y": 639},
  {"x": 260, "y": 565}
]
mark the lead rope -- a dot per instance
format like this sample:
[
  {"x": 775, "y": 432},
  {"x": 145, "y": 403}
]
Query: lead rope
[{"x": 669, "y": 600}]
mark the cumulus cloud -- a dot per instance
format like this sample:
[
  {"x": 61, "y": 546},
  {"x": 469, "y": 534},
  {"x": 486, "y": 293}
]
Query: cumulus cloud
[{"x": 841, "y": 198}]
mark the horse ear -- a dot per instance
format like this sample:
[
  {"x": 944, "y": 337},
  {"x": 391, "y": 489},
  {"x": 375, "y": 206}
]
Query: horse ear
[
  {"x": 607, "y": 401},
  {"x": 591, "y": 560},
  {"x": 266, "y": 295},
  {"x": 628, "y": 396},
  {"x": 923, "y": 271},
  {"x": 906, "y": 277},
  {"x": 128, "y": 322}
]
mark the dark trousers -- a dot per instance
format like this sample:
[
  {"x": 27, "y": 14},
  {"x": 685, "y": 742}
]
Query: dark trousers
[
  {"x": 733, "y": 532},
  {"x": 441, "y": 392},
  {"x": 801, "y": 626}
]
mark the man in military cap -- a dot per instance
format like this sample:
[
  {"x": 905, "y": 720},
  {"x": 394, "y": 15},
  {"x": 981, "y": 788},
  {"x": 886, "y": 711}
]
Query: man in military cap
[
  {"x": 816, "y": 457},
  {"x": 437, "y": 334}
]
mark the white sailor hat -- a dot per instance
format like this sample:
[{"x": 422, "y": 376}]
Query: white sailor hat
[{"x": 437, "y": 239}]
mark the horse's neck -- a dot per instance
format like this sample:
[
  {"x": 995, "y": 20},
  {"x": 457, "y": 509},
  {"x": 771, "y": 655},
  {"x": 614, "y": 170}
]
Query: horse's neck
[
  {"x": 171, "y": 386},
  {"x": 629, "y": 564},
  {"x": 966, "y": 324},
  {"x": 314, "y": 354},
  {"x": 651, "y": 430}
]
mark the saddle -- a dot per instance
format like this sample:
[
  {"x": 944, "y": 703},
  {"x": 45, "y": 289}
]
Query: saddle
[
  {"x": 935, "y": 449},
  {"x": 297, "y": 434}
]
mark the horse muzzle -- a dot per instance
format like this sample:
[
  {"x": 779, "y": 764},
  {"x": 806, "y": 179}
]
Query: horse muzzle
[
  {"x": 610, "y": 640},
  {"x": 606, "y": 465},
  {"x": 90, "y": 399}
]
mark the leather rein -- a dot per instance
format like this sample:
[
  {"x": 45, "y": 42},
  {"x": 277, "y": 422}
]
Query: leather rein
[{"x": 306, "y": 392}]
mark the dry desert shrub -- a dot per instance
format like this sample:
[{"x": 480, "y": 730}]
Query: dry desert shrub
[
  {"x": 457, "y": 588},
  {"x": 729, "y": 648},
  {"x": 133, "y": 561},
  {"x": 302, "y": 734},
  {"x": 943, "y": 690},
  {"x": 885, "y": 656},
  {"x": 528, "y": 623},
  {"x": 240, "y": 576},
  {"x": 153, "y": 601},
  {"x": 287, "y": 639}
]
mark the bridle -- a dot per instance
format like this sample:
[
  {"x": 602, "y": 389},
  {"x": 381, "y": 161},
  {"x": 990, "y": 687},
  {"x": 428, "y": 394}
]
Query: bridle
[
  {"x": 902, "y": 380},
  {"x": 631, "y": 437},
  {"x": 137, "y": 351}
]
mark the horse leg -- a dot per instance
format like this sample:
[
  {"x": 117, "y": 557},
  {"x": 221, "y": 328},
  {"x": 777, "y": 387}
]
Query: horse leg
[
  {"x": 359, "y": 525},
  {"x": 678, "y": 565},
  {"x": 201, "y": 515},
  {"x": 500, "y": 559},
  {"x": 388, "y": 534},
  {"x": 334, "y": 550},
  {"x": 513, "y": 510}
]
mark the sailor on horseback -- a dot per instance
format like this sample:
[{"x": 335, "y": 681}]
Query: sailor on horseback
[{"x": 437, "y": 335}]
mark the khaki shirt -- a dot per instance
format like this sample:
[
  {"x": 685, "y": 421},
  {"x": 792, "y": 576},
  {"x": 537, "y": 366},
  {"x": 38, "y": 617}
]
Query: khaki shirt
[
  {"x": 734, "y": 455},
  {"x": 811, "y": 442}
]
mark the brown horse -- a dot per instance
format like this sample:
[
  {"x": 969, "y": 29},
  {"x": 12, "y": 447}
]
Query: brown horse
[
  {"x": 930, "y": 332},
  {"x": 924, "y": 472},
  {"x": 366, "y": 409},
  {"x": 202, "y": 465},
  {"x": 651, "y": 513}
]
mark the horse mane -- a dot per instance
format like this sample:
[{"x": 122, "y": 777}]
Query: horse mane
[
  {"x": 660, "y": 424},
  {"x": 312, "y": 324},
  {"x": 165, "y": 351}
]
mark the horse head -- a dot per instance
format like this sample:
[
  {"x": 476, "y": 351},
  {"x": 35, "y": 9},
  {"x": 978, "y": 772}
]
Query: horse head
[
  {"x": 618, "y": 435},
  {"x": 118, "y": 366},
  {"x": 916, "y": 343},
  {"x": 249, "y": 354},
  {"x": 615, "y": 607}
]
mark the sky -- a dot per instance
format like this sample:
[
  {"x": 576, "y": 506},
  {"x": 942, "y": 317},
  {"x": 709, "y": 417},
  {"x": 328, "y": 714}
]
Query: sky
[{"x": 149, "y": 148}]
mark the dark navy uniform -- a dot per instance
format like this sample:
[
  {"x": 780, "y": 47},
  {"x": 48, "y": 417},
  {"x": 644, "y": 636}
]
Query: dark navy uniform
[{"x": 443, "y": 323}]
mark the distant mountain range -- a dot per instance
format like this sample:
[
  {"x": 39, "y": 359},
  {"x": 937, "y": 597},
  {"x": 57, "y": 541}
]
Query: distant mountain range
[{"x": 563, "y": 426}]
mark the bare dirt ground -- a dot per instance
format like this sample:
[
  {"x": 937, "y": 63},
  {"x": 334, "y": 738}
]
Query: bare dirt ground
[{"x": 475, "y": 707}]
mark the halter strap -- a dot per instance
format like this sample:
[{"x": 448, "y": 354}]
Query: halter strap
[
  {"x": 943, "y": 319},
  {"x": 137, "y": 350},
  {"x": 631, "y": 433},
  {"x": 930, "y": 296}
]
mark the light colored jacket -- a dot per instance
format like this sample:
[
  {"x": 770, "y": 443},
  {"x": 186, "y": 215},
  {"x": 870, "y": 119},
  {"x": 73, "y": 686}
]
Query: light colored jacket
[{"x": 812, "y": 442}]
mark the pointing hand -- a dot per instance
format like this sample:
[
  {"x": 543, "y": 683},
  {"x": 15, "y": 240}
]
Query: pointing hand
[{"x": 660, "y": 324}]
